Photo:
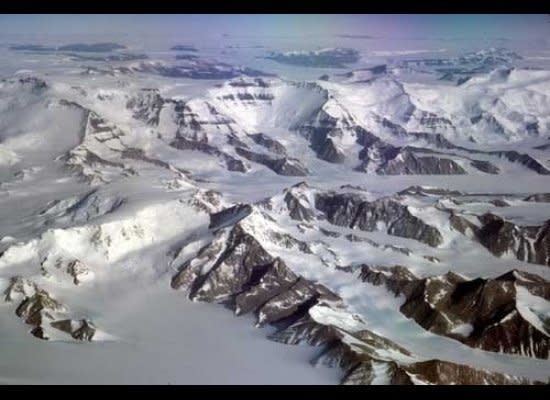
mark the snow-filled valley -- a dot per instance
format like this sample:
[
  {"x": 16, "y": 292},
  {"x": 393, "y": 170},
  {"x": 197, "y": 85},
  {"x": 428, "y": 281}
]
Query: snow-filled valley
[{"x": 232, "y": 215}]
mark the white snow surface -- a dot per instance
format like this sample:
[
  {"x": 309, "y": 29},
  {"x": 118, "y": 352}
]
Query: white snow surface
[{"x": 129, "y": 231}]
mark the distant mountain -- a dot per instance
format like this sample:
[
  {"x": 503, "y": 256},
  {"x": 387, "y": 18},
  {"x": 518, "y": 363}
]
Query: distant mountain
[{"x": 324, "y": 58}]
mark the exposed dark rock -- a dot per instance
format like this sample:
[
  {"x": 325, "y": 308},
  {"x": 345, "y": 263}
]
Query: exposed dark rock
[
  {"x": 435, "y": 139},
  {"x": 434, "y": 122},
  {"x": 270, "y": 144},
  {"x": 83, "y": 208},
  {"x": 38, "y": 308},
  {"x": 482, "y": 313},
  {"x": 187, "y": 57},
  {"x": 360, "y": 359},
  {"x": 433, "y": 259},
  {"x": 524, "y": 159},
  {"x": 428, "y": 191},
  {"x": 197, "y": 69},
  {"x": 298, "y": 203},
  {"x": 80, "y": 159},
  {"x": 407, "y": 162},
  {"x": 109, "y": 58},
  {"x": 236, "y": 270},
  {"x": 79, "y": 330},
  {"x": 526, "y": 243},
  {"x": 32, "y": 47},
  {"x": 134, "y": 153},
  {"x": 321, "y": 139},
  {"x": 462, "y": 224},
  {"x": 94, "y": 47},
  {"x": 542, "y": 147},
  {"x": 281, "y": 166},
  {"x": 232, "y": 163},
  {"x": 77, "y": 270},
  {"x": 19, "y": 287},
  {"x": 329, "y": 152},
  {"x": 352, "y": 211},
  {"x": 438, "y": 372},
  {"x": 398, "y": 279},
  {"x": 500, "y": 236},
  {"x": 485, "y": 166},
  {"x": 147, "y": 106},
  {"x": 499, "y": 203},
  {"x": 183, "y": 47},
  {"x": 229, "y": 216},
  {"x": 277, "y": 279},
  {"x": 511, "y": 155},
  {"x": 538, "y": 197},
  {"x": 245, "y": 276},
  {"x": 326, "y": 58},
  {"x": 36, "y": 85},
  {"x": 328, "y": 233}
]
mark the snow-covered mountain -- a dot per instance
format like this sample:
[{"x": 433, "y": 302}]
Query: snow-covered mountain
[{"x": 397, "y": 226}]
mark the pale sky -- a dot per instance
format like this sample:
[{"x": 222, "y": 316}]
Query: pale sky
[{"x": 391, "y": 26}]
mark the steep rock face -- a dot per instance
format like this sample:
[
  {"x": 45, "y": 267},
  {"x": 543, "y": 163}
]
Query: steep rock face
[
  {"x": 463, "y": 225},
  {"x": 437, "y": 372},
  {"x": 206, "y": 201},
  {"x": 298, "y": 203},
  {"x": 397, "y": 279},
  {"x": 523, "y": 159},
  {"x": 434, "y": 123},
  {"x": 526, "y": 243},
  {"x": 328, "y": 151},
  {"x": 269, "y": 143},
  {"x": 541, "y": 247},
  {"x": 86, "y": 164},
  {"x": 501, "y": 237},
  {"x": 385, "y": 159},
  {"x": 39, "y": 310},
  {"x": 32, "y": 84},
  {"x": 352, "y": 211},
  {"x": 80, "y": 209},
  {"x": 43, "y": 312},
  {"x": 485, "y": 166},
  {"x": 231, "y": 163},
  {"x": 236, "y": 270},
  {"x": 79, "y": 271},
  {"x": 430, "y": 372},
  {"x": 79, "y": 330},
  {"x": 146, "y": 106},
  {"x": 363, "y": 356},
  {"x": 276, "y": 280},
  {"x": 499, "y": 314},
  {"x": 229, "y": 216},
  {"x": 282, "y": 166},
  {"x": 19, "y": 287},
  {"x": 95, "y": 160},
  {"x": 323, "y": 135},
  {"x": 512, "y": 156},
  {"x": 539, "y": 198},
  {"x": 417, "y": 190},
  {"x": 435, "y": 139},
  {"x": 407, "y": 163}
]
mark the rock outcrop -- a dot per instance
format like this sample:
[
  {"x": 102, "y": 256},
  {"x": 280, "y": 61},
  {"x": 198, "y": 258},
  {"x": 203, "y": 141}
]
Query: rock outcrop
[
  {"x": 234, "y": 269},
  {"x": 500, "y": 314},
  {"x": 383, "y": 214},
  {"x": 43, "y": 312}
]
